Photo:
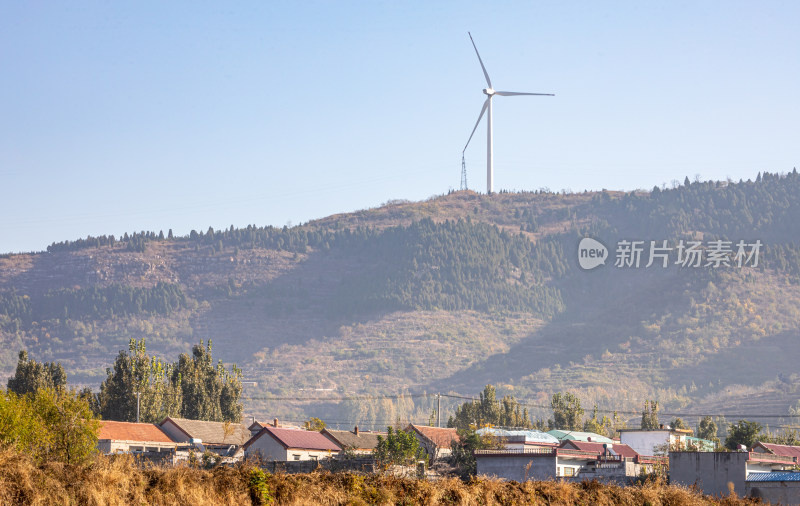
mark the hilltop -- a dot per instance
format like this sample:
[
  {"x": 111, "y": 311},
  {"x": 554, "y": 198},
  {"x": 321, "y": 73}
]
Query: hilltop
[{"x": 443, "y": 295}]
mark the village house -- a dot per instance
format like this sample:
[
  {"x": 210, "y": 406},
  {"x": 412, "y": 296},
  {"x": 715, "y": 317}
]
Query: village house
[
  {"x": 129, "y": 437},
  {"x": 256, "y": 426},
  {"x": 620, "y": 449},
  {"x": 576, "y": 460},
  {"x": 222, "y": 438},
  {"x": 574, "y": 435},
  {"x": 434, "y": 440},
  {"x": 357, "y": 441},
  {"x": 773, "y": 449},
  {"x": 284, "y": 444},
  {"x": 519, "y": 439},
  {"x": 637, "y": 463},
  {"x": 778, "y": 487},
  {"x": 712, "y": 471}
]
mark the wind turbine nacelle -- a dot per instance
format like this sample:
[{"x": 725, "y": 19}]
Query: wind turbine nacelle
[{"x": 488, "y": 91}]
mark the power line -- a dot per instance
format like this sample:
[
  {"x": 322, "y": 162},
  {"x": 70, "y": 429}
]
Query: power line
[
  {"x": 344, "y": 398},
  {"x": 525, "y": 403}
]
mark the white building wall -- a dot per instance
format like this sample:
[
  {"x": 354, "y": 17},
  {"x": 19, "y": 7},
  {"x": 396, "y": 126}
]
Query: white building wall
[
  {"x": 174, "y": 432},
  {"x": 569, "y": 467},
  {"x": 267, "y": 448},
  {"x": 644, "y": 442},
  {"x": 300, "y": 454}
]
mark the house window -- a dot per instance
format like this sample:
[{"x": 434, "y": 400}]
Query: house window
[
  {"x": 314, "y": 457},
  {"x": 569, "y": 471},
  {"x": 296, "y": 456},
  {"x": 136, "y": 448}
]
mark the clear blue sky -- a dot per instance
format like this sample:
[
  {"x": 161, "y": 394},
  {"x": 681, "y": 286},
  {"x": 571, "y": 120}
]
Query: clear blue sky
[{"x": 123, "y": 116}]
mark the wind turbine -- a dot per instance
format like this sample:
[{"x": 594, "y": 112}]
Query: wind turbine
[{"x": 490, "y": 93}]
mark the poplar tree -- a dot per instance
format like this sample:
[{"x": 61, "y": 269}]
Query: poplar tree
[
  {"x": 209, "y": 391},
  {"x": 567, "y": 412},
  {"x": 31, "y": 376},
  {"x": 488, "y": 411},
  {"x": 136, "y": 371},
  {"x": 650, "y": 415}
]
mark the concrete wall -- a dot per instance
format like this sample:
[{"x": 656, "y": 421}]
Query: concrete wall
[
  {"x": 617, "y": 472},
  {"x": 364, "y": 465},
  {"x": 775, "y": 492},
  {"x": 106, "y": 446},
  {"x": 517, "y": 467},
  {"x": 711, "y": 471}
]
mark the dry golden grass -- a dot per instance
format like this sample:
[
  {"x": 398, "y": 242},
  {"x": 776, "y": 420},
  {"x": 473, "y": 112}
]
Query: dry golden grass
[
  {"x": 118, "y": 481},
  {"x": 121, "y": 481}
]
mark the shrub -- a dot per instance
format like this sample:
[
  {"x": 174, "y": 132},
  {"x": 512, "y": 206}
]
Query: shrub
[
  {"x": 259, "y": 490},
  {"x": 398, "y": 448},
  {"x": 49, "y": 425}
]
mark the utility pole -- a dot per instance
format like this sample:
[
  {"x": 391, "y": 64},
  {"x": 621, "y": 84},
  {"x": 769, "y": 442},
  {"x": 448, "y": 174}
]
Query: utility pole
[
  {"x": 438, "y": 410},
  {"x": 137, "y": 405}
]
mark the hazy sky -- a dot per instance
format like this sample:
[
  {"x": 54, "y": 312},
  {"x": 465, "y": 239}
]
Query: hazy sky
[{"x": 123, "y": 116}]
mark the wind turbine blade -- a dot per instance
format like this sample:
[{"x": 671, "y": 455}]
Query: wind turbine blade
[
  {"x": 486, "y": 74},
  {"x": 513, "y": 93},
  {"x": 480, "y": 116}
]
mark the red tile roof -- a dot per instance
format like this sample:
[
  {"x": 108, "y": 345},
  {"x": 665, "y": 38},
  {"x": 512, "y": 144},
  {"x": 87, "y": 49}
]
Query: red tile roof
[
  {"x": 128, "y": 431},
  {"x": 439, "y": 436},
  {"x": 620, "y": 449},
  {"x": 784, "y": 450},
  {"x": 296, "y": 438}
]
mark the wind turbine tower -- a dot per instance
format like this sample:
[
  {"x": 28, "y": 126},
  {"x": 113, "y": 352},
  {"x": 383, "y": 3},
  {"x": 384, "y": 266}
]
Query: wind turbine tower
[{"x": 487, "y": 105}]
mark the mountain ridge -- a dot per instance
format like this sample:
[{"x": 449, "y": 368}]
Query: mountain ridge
[{"x": 446, "y": 294}]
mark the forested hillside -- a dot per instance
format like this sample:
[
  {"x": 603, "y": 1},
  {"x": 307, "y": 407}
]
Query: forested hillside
[{"x": 446, "y": 295}]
